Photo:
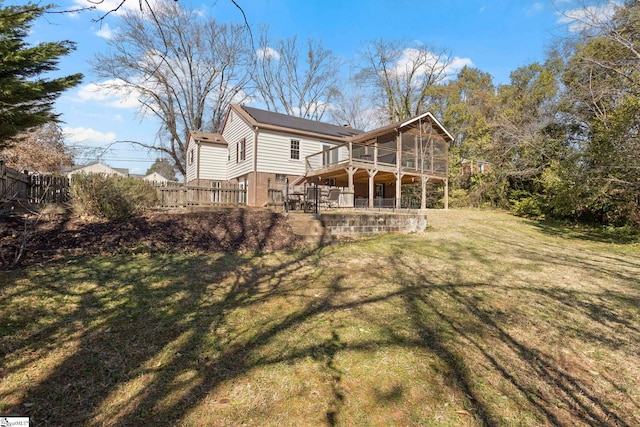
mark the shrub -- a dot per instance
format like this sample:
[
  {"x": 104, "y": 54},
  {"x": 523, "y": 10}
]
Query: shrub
[
  {"x": 112, "y": 197},
  {"x": 526, "y": 204},
  {"x": 459, "y": 198}
]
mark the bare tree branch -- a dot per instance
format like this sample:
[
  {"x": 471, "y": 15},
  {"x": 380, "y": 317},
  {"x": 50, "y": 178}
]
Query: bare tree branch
[
  {"x": 184, "y": 70},
  {"x": 294, "y": 80}
]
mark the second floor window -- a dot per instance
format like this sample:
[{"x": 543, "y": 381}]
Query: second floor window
[
  {"x": 242, "y": 149},
  {"x": 295, "y": 149}
]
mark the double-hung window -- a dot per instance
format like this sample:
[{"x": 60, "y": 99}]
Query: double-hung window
[
  {"x": 242, "y": 150},
  {"x": 295, "y": 149}
]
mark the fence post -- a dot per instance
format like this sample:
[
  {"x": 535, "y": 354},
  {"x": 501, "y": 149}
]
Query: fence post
[
  {"x": 316, "y": 197},
  {"x": 286, "y": 194}
]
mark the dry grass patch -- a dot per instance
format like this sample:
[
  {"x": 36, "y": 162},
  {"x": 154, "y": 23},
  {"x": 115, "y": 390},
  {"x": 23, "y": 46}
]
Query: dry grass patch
[{"x": 486, "y": 320}]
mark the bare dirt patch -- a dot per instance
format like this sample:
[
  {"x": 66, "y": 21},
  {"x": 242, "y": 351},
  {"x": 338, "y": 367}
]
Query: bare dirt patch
[{"x": 217, "y": 231}]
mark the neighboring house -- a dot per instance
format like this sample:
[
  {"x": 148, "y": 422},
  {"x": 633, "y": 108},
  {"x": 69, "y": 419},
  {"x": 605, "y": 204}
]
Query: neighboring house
[
  {"x": 473, "y": 167},
  {"x": 95, "y": 168},
  {"x": 259, "y": 149},
  {"x": 156, "y": 179}
]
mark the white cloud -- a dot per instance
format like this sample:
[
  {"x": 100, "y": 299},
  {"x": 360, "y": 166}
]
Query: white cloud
[
  {"x": 424, "y": 63},
  {"x": 458, "y": 64},
  {"x": 267, "y": 53},
  {"x": 583, "y": 18},
  {"x": 105, "y": 32},
  {"x": 110, "y": 6},
  {"x": 87, "y": 135},
  {"x": 535, "y": 8},
  {"x": 112, "y": 93}
]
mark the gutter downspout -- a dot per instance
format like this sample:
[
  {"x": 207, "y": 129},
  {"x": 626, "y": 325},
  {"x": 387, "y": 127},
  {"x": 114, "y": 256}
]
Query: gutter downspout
[{"x": 255, "y": 165}]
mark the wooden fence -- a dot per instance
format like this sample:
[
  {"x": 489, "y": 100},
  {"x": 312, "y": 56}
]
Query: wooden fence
[
  {"x": 220, "y": 195},
  {"x": 19, "y": 187},
  {"x": 14, "y": 185},
  {"x": 49, "y": 189},
  {"x": 40, "y": 189}
]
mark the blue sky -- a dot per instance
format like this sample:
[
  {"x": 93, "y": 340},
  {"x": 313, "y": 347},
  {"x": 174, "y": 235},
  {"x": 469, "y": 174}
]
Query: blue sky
[{"x": 496, "y": 36}]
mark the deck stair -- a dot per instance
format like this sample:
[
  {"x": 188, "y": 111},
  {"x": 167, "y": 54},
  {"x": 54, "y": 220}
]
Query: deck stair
[{"x": 309, "y": 229}]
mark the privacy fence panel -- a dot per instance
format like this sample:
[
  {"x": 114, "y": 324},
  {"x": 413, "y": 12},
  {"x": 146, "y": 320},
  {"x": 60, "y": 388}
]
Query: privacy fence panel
[
  {"x": 49, "y": 189},
  {"x": 14, "y": 185},
  {"x": 219, "y": 195}
]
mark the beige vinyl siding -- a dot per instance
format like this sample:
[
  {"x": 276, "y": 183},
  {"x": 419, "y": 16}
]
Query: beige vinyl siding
[
  {"x": 213, "y": 162},
  {"x": 192, "y": 167},
  {"x": 274, "y": 152},
  {"x": 236, "y": 129}
]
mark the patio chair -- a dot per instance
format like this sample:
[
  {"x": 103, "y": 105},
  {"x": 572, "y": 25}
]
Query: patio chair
[
  {"x": 310, "y": 198},
  {"x": 333, "y": 199}
]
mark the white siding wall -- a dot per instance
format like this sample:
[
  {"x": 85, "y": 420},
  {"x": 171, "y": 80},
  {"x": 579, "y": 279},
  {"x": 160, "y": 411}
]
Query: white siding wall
[
  {"x": 213, "y": 162},
  {"x": 274, "y": 152},
  {"x": 343, "y": 153},
  {"x": 236, "y": 129},
  {"x": 191, "y": 166}
]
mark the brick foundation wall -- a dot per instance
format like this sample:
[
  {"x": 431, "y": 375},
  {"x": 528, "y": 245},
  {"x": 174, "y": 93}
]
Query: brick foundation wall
[{"x": 264, "y": 180}]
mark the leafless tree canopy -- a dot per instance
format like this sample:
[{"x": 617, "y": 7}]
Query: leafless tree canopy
[
  {"x": 296, "y": 80},
  {"x": 352, "y": 107},
  {"x": 401, "y": 76},
  {"x": 39, "y": 150},
  {"x": 183, "y": 69}
]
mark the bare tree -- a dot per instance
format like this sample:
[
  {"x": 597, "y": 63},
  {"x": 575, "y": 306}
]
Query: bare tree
[
  {"x": 184, "y": 70},
  {"x": 352, "y": 107},
  {"x": 40, "y": 150},
  {"x": 299, "y": 81},
  {"x": 401, "y": 76}
]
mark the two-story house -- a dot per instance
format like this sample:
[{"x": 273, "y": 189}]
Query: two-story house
[{"x": 259, "y": 149}]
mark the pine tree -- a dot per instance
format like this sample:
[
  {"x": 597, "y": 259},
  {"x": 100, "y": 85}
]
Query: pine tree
[
  {"x": 26, "y": 97},
  {"x": 163, "y": 167}
]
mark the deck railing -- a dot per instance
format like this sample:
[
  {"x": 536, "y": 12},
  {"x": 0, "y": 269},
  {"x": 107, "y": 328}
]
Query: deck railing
[{"x": 388, "y": 203}]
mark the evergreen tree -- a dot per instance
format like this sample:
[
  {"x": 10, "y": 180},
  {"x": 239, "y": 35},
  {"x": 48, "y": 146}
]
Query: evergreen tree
[
  {"x": 164, "y": 167},
  {"x": 26, "y": 98}
]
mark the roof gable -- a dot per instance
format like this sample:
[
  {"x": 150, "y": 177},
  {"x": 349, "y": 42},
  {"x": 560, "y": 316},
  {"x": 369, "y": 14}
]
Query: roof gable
[
  {"x": 199, "y": 137},
  {"x": 398, "y": 125},
  {"x": 97, "y": 167}
]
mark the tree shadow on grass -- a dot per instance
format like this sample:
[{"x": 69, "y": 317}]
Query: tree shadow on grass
[
  {"x": 141, "y": 325},
  {"x": 468, "y": 326},
  {"x": 145, "y": 339},
  {"x": 620, "y": 235}
]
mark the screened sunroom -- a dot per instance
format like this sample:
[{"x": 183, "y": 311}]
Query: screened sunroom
[{"x": 371, "y": 168}]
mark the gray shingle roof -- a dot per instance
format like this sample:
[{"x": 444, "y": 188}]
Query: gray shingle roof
[{"x": 291, "y": 122}]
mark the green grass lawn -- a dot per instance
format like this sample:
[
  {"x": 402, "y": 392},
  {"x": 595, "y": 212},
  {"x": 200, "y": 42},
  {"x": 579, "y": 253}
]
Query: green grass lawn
[{"x": 485, "y": 319}]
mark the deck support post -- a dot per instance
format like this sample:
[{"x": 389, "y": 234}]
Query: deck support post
[
  {"x": 423, "y": 198},
  {"x": 350, "y": 172},
  {"x": 446, "y": 194},
  {"x": 399, "y": 189},
  {"x": 372, "y": 173}
]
